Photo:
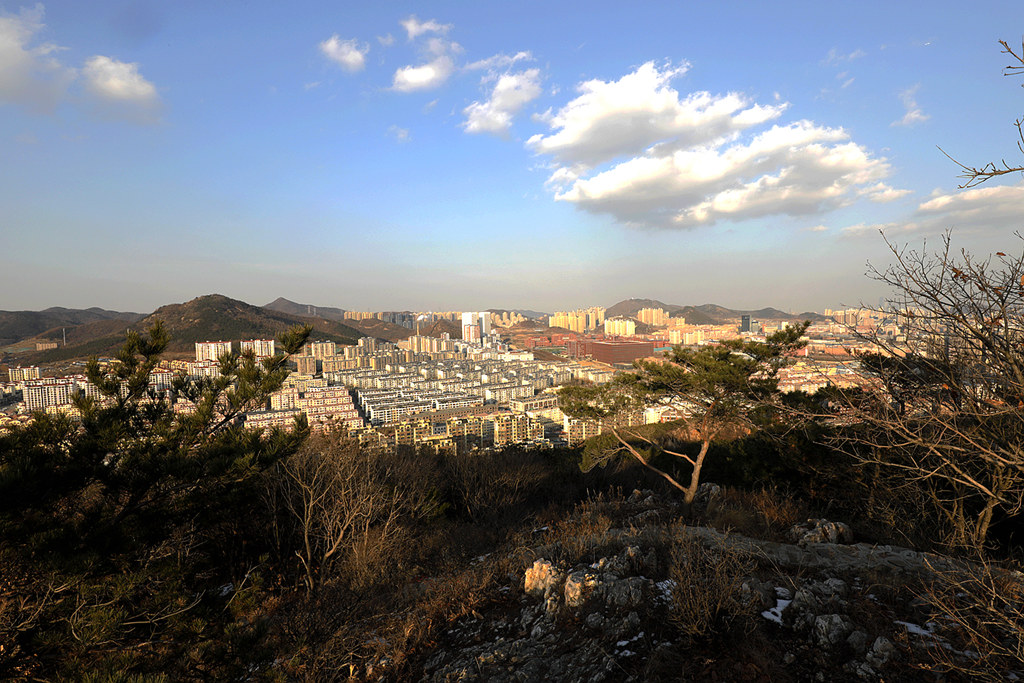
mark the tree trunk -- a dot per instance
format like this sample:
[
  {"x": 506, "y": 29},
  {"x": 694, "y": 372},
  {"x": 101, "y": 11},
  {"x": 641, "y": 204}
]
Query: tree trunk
[
  {"x": 691, "y": 490},
  {"x": 984, "y": 522}
]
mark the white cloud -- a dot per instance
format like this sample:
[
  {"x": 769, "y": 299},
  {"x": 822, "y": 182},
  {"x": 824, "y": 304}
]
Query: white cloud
[
  {"x": 612, "y": 119},
  {"x": 431, "y": 74},
  {"x": 118, "y": 90},
  {"x": 500, "y": 61},
  {"x": 118, "y": 81},
  {"x": 399, "y": 134},
  {"x": 637, "y": 150},
  {"x": 423, "y": 77},
  {"x": 347, "y": 54},
  {"x": 914, "y": 113},
  {"x": 991, "y": 210},
  {"x": 30, "y": 75},
  {"x": 415, "y": 28},
  {"x": 510, "y": 94},
  {"x": 386, "y": 40},
  {"x": 834, "y": 56},
  {"x": 882, "y": 193}
]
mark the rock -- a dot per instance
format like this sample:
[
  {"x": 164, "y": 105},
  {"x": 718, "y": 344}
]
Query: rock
[
  {"x": 646, "y": 517},
  {"x": 760, "y": 593},
  {"x": 831, "y": 629},
  {"x": 706, "y": 493},
  {"x": 543, "y": 579},
  {"x": 833, "y": 588},
  {"x": 866, "y": 673},
  {"x": 859, "y": 642},
  {"x": 881, "y": 652},
  {"x": 629, "y": 592},
  {"x": 595, "y": 621},
  {"x": 579, "y": 586},
  {"x": 803, "y": 609},
  {"x": 821, "y": 531}
]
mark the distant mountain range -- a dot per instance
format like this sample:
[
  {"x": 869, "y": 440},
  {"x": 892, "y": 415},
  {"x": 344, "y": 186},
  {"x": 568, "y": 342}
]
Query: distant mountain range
[
  {"x": 370, "y": 327},
  {"x": 18, "y": 325},
  {"x": 283, "y": 305},
  {"x": 706, "y": 314},
  {"x": 207, "y": 318},
  {"x": 96, "y": 331}
]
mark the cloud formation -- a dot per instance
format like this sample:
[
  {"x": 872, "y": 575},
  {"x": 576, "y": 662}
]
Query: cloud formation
[
  {"x": 500, "y": 61},
  {"x": 834, "y": 56},
  {"x": 431, "y": 74},
  {"x": 118, "y": 81},
  {"x": 510, "y": 94},
  {"x": 612, "y": 119},
  {"x": 637, "y": 150},
  {"x": 993, "y": 209},
  {"x": 414, "y": 28},
  {"x": 399, "y": 134},
  {"x": 347, "y": 54},
  {"x": 914, "y": 113},
  {"x": 30, "y": 75},
  {"x": 117, "y": 90}
]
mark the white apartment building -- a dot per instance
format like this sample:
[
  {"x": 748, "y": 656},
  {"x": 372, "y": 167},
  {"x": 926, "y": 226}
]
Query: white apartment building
[{"x": 212, "y": 350}]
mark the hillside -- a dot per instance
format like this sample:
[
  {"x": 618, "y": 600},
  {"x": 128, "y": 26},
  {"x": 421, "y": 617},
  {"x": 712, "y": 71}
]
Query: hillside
[
  {"x": 16, "y": 326},
  {"x": 282, "y": 305},
  {"x": 706, "y": 314},
  {"x": 207, "y": 318},
  {"x": 630, "y": 307},
  {"x": 371, "y": 327},
  {"x": 525, "y": 312},
  {"x": 439, "y": 327}
]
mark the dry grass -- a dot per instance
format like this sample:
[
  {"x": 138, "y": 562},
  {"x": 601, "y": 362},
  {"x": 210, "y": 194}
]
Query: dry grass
[
  {"x": 707, "y": 601},
  {"x": 767, "y": 513},
  {"x": 979, "y": 613}
]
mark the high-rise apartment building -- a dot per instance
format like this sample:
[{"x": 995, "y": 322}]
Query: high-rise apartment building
[
  {"x": 261, "y": 347},
  {"x": 579, "y": 321},
  {"x": 619, "y": 327},
  {"x": 321, "y": 349},
  {"x": 41, "y": 393},
  {"x": 656, "y": 317},
  {"x": 212, "y": 350},
  {"x": 20, "y": 374},
  {"x": 475, "y": 326}
]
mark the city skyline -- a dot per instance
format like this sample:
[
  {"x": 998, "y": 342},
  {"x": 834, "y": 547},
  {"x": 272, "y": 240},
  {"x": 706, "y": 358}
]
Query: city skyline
[{"x": 472, "y": 157}]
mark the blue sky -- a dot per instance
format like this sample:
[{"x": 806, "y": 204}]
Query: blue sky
[{"x": 454, "y": 156}]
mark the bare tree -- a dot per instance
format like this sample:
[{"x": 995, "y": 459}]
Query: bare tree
[
  {"x": 976, "y": 175},
  {"x": 345, "y": 503},
  {"x": 949, "y": 410}
]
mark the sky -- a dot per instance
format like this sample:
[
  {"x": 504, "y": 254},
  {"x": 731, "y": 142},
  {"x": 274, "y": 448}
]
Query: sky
[{"x": 459, "y": 156}]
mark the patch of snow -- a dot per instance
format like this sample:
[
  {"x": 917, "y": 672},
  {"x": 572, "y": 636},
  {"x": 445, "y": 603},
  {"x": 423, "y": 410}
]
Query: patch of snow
[
  {"x": 783, "y": 593},
  {"x": 226, "y": 589},
  {"x": 775, "y": 613},
  {"x": 665, "y": 589},
  {"x": 624, "y": 643},
  {"x": 926, "y": 630}
]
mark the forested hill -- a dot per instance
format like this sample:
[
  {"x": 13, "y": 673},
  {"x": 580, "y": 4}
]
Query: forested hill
[
  {"x": 706, "y": 314},
  {"x": 18, "y": 325},
  {"x": 212, "y": 317}
]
